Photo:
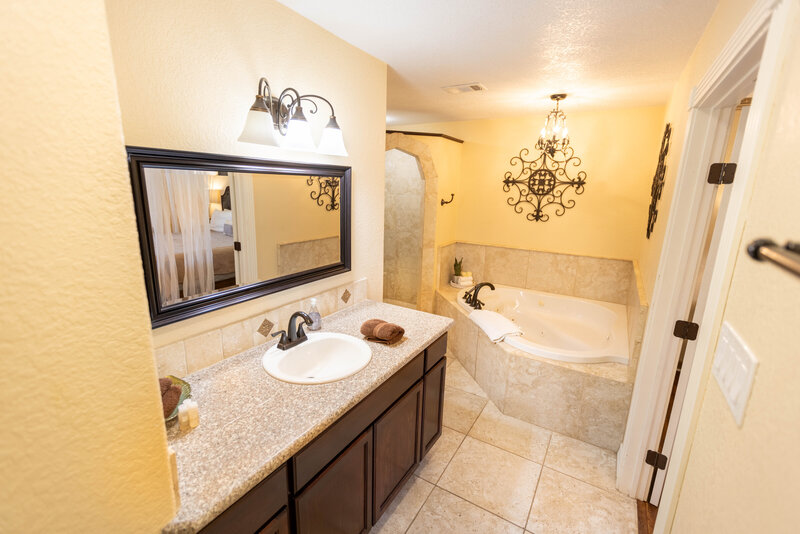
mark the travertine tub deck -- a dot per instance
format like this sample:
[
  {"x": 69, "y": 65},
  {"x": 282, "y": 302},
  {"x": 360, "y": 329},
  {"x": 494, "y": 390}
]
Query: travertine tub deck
[{"x": 250, "y": 423}]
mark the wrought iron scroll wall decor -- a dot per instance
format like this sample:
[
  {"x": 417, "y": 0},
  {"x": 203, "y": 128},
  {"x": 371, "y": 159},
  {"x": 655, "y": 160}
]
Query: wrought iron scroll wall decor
[
  {"x": 327, "y": 191},
  {"x": 541, "y": 182},
  {"x": 658, "y": 180}
]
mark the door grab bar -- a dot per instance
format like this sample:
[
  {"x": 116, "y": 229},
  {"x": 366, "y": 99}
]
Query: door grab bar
[{"x": 787, "y": 256}]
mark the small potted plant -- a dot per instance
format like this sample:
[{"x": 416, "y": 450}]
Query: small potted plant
[{"x": 461, "y": 278}]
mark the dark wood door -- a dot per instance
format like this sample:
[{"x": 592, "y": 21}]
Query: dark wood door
[
  {"x": 279, "y": 525},
  {"x": 397, "y": 441},
  {"x": 339, "y": 500},
  {"x": 433, "y": 405}
]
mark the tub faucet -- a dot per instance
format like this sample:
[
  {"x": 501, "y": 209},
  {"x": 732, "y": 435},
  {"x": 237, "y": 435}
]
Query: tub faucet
[
  {"x": 471, "y": 296},
  {"x": 296, "y": 335}
]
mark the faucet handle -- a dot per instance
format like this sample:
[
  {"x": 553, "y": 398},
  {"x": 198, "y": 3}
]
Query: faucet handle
[
  {"x": 301, "y": 334},
  {"x": 281, "y": 333}
]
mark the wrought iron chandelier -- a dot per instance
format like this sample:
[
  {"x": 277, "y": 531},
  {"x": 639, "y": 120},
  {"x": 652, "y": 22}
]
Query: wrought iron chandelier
[
  {"x": 327, "y": 191},
  {"x": 543, "y": 180},
  {"x": 554, "y": 136}
]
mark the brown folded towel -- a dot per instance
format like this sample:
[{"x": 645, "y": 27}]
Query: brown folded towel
[
  {"x": 164, "y": 384},
  {"x": 169, "y": 400},
  {"x": 369, "y": 326},
  {"x": 380, "y": 331},
  {"x": 388, "y": 331},
  {"x": 384, "y": 341}
]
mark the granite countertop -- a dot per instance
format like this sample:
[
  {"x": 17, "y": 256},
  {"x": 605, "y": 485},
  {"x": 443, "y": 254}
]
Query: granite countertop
[{"x": 251, "y": 423}]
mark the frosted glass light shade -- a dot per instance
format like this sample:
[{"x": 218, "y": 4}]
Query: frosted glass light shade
[
  {"x": 298, "y": 132},
  {"x": 259, "y": 128},
  {"x": 332, "y": 141}
]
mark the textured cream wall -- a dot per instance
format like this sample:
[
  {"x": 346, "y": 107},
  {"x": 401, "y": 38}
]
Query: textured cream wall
[
  {"x": 281, "y": 198},
  {"x": 720, "y": 28},
  {"x": 619, "y": 149},
  {"x": 744, "y": 479},
  {"x": 187, "y": 73},
  {"x": 82, "y": 445}
]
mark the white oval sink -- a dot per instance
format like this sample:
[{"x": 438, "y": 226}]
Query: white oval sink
[{"x": 325, "y": 357}]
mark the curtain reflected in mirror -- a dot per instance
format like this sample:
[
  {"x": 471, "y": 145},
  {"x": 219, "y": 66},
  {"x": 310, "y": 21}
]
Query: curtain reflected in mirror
[{"x": 215, "y": 231}]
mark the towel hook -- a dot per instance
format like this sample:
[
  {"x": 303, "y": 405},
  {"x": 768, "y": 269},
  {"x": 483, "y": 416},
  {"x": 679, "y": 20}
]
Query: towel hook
[{"x": 452, "y": 196}]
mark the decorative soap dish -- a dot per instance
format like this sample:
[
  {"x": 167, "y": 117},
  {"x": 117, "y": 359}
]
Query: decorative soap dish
[{"x": 186, "y": 392}]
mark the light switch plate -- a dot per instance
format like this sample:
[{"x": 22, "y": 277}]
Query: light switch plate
[{"x": 734, "y": 368}]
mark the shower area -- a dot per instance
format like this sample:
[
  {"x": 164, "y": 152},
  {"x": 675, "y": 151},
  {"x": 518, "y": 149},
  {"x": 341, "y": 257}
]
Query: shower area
[{"x": 404, "y": 211}]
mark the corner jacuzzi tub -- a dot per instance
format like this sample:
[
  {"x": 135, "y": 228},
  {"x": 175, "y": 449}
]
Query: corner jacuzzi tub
[{"x": 559, "y": 327}]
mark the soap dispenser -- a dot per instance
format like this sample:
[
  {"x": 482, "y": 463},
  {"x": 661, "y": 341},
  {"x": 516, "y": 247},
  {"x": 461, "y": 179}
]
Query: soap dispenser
[{"x": 316, "y": 318}]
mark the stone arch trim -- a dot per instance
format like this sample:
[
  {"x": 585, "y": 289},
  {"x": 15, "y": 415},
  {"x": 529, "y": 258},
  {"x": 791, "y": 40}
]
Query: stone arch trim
[{"x": 422, "y": 152}]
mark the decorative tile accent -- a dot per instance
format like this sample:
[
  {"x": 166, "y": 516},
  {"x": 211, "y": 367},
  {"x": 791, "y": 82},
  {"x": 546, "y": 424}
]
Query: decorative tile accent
[
  {"x": 492, "y": 478},
  {"x": 266, "y": 328},
  {"x": 345, "y": 296}
]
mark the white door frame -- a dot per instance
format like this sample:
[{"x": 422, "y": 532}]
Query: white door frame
[{"x": 758, "y": 45}]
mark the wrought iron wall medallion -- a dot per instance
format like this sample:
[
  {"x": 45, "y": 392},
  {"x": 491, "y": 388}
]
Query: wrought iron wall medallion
[
  {"x": 327, "y": 191},
  {"x": 658, "y": 180},
  {"x": 542, "y": 182}
]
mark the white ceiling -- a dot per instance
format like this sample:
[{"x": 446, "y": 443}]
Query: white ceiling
[{"x": 604, "y": 53}]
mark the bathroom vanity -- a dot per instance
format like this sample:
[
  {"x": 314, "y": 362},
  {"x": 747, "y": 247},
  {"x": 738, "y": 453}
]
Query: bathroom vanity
[{"x": 312, "y": 458}]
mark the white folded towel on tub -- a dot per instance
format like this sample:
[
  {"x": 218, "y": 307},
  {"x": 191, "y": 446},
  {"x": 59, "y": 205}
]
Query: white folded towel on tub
[{"x": 496, "y": 326}]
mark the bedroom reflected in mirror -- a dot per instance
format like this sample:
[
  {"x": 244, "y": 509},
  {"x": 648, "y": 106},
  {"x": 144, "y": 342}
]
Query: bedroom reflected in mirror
[{"x": 216, "y": 230}]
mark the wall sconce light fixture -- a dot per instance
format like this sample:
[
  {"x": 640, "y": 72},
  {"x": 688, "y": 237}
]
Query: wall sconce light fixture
[{"x": 281, "y": 121}]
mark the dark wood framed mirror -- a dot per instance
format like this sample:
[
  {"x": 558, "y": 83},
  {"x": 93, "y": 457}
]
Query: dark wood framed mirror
[{"x": 217, "y": 230}]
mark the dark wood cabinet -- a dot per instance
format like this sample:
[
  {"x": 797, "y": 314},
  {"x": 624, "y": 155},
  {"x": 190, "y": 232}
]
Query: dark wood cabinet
[
  {"x": 255, "y": 508},
  {"x": 346, "y": 478},
  {"x": 339, "y": 500},
  {"x": 279, "y": 525},
  {"x": 396, "y": 438},
  {"x": 433, "y": 406}
]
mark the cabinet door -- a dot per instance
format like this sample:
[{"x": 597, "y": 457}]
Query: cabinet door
[
  {"x": 433, "y": 405},
  {"x": 339, "y": 500},
  {"x": 279, "y": 525},
  {"x": 397, "y": 440}
]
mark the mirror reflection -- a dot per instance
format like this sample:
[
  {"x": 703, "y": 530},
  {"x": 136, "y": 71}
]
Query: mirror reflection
[{"x": 213, "y": 231}]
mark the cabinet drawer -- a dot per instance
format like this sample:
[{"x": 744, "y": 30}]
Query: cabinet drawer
[
  {"x": 435, "y": 352},
  {"x": 396, "y": 440},
  {"x": 339, "y": 500},
  {"x": 317, "y": 454},
  {"x": 255, "y": 508}
]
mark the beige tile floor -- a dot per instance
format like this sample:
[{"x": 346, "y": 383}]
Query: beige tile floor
[{"x": 492, "y": 473}]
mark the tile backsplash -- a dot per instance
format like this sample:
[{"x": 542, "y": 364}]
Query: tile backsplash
[
  {"x": 200, "y": 351},
  {"x": 579, "y": 276}
]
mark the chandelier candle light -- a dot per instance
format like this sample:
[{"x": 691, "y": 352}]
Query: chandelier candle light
[
  {"x": 281, "y": 121},
  {"x": 554, "y": 136}
]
